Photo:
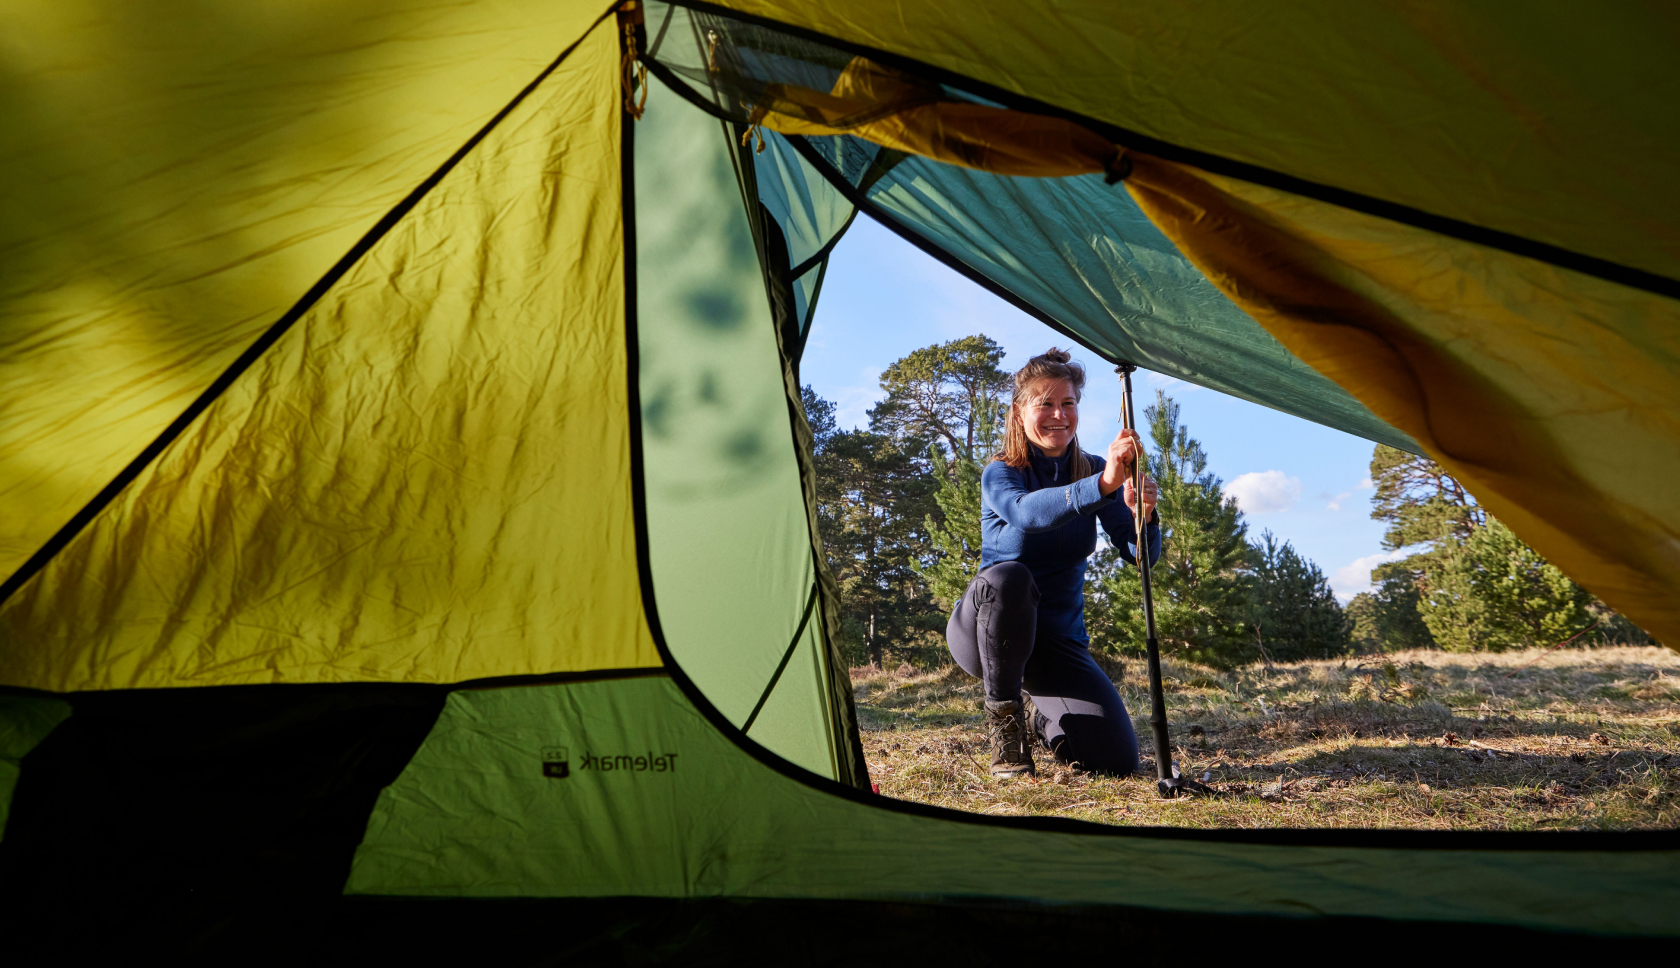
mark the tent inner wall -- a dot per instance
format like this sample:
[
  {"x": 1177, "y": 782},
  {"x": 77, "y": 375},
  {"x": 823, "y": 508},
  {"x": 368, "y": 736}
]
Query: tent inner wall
[
  {"x": 728, "y": 534},
  {"x": 179, "y": 175}
]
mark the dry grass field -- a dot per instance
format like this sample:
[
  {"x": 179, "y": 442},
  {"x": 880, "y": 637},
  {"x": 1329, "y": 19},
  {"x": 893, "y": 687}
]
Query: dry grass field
[{"x": 1571, "y": 740}]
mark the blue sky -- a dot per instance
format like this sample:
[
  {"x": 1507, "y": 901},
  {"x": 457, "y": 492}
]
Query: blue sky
[{"x": 883, "y": 298}]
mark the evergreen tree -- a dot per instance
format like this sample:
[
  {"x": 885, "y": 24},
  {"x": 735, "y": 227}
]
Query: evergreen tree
[
  {"x": 952, "y": 393},
  {"x": 1387, "y": 618},
  {"x": 1421, "y": 502},
  {"x": 1202, "y": 583},
  {"x": 1430, "y": 511},
  {"x": 872, "y": 496},
  {"x": 1472, "y": 584},
  {"x": 819, "y": 415},
  {"x": 956, "y": 535},
  {"x": 1492, "y": 592},
  {"x": 1296, "y": 615}
]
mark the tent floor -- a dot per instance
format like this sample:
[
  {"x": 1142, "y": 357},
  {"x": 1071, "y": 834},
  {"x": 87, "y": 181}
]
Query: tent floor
[{"x": 699, "y": 932}]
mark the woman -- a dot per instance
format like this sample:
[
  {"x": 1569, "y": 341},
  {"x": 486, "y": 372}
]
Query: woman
[{"x": 1020, "y": 626}]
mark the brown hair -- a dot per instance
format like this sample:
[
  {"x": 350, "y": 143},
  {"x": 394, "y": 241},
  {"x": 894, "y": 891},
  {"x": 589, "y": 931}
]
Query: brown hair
[{"x": 1052, "y": 364}]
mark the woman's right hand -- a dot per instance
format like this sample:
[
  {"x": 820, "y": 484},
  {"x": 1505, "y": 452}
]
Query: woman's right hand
[{"x": 1122, "y": 454}]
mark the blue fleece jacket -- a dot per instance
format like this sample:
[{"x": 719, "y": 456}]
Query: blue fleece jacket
[{"x": 1036, "y": 516}]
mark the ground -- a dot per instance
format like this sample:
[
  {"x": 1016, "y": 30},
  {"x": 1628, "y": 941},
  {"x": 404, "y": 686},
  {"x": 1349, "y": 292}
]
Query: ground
[{"x": 1572, "y": 739}]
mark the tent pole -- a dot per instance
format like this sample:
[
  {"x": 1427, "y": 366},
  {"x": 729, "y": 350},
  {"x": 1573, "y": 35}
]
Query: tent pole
[{"x": 1168, "y": 782}]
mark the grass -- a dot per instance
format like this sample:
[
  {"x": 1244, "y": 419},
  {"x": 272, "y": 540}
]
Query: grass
[{"x": 1573, "y": 740}]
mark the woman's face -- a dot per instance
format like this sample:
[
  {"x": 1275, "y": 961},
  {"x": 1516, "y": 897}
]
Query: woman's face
[{"x": 1051, "y": 417}]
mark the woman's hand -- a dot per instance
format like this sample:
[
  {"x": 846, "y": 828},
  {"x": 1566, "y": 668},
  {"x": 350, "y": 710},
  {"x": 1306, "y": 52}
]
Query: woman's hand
[
  {"x": 1122, "y": 453},
  {"x": 1150, "y": 496}
]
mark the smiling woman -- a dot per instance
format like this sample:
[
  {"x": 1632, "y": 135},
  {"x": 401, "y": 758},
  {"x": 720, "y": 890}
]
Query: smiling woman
[{"x": 1020, "y": 625}]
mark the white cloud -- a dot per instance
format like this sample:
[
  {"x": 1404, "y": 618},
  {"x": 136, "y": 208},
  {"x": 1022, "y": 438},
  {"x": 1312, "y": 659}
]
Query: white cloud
[
  {"x": 852, "y": 403},
  {"x": 1258, "y": 492},
  {"x": 1365, "y": 485},
  {"x": 1355, "y": 578},
  {"x": 1335, "y": 503}
]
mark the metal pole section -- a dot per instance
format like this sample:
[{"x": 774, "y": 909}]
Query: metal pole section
[{"x": 1166, "y": 775}]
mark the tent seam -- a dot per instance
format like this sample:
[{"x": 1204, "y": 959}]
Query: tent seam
[{"x": 775, "y": 677}]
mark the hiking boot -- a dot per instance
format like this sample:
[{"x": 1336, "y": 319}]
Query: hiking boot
[{"x": 1011, "y": 741}]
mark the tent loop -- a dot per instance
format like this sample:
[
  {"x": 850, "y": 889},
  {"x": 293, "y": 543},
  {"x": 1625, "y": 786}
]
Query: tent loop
[
  {"x": 632, "y": 71},
  {"x": 753, "y": 130},
  {"x": 1118, "y": 167}
]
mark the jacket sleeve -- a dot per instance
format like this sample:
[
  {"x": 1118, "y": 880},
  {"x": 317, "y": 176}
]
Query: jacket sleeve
[
  {"x": 1004, "y": 490},
  {"x": 1117, "y": 520}
]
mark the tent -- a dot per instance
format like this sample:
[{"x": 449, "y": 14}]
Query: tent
[{"x": 409, "y": 524}]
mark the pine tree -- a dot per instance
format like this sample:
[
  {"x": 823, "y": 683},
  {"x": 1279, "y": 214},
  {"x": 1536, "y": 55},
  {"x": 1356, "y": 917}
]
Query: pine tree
[
  {"x": 1202, "y": 583},
  {"x": 1296, "y": 615},
  {"x": 1493, "y": 592},
  {"x": 872, "y": 496},
  {"x": 956, "y": 535},
  {"x": 1472, "y": 584},
  {"x": 1421, "y": 502},
  {"x": 1387, "y": 618},
  {"x": 1429, "y": 511},
  {"x": 951, "y": 393}
]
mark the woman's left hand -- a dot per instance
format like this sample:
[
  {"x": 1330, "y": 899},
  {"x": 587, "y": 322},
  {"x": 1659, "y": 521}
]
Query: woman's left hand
[{"x": 1151, "y": 494}]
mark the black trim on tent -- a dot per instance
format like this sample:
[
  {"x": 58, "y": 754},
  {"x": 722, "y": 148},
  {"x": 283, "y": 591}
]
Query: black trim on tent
[
  {"x": 1218, "y": 164},
  {"x": 357, "y": 687},
  {"x": 1365, "y": 838},
  {"x": 781, "y": 666},
  {"x": 272, "y": 335},
  {"x": 822, "y": 254}
]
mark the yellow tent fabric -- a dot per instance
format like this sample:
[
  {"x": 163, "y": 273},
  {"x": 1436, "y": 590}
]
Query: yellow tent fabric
[
  {"x": 180, "y": 173},
  {"x": 1554, "y": 395},
  {"x": 388, "y": 495},
  {"x": 905, "y": 113},
  {"x": 1551, "y": 392}
]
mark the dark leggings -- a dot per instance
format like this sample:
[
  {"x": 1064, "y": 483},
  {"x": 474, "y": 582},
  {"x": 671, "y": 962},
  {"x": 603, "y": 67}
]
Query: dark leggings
[{"x": 993, "y": 635}]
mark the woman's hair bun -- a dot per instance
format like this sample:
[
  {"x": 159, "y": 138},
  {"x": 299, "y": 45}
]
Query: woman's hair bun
[{"x": 1054, "y": 363}]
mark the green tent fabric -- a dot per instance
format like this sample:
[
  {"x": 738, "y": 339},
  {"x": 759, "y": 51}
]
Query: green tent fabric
[{"x": 469, "y": 603}]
